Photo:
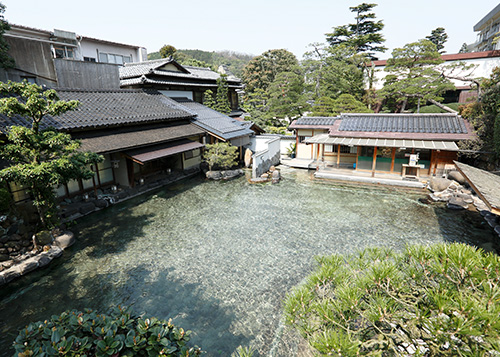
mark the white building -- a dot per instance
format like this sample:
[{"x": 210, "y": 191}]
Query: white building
[{"x": 488, "y": 29}]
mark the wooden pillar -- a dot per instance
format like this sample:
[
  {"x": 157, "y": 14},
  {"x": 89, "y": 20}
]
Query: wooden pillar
[
  {"x": 436, "y": 160},
  {"x": 130, "y": 172},
  {"x": 374, "y": 162},
  {"x": 431, "y": 163},
  {"x": 317, "y": 154},
  {"x": 358, "y": 149},
  {"x": 338, "y": 156},
  {"x": 393, "y": 156}
]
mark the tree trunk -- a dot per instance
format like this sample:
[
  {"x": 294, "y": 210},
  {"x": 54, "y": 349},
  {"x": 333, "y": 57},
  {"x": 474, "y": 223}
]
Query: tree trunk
[{"x": 442, "y": 106}]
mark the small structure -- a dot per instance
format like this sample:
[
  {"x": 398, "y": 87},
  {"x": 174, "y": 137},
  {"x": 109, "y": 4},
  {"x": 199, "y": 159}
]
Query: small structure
[{"x": 403, "y": 144}]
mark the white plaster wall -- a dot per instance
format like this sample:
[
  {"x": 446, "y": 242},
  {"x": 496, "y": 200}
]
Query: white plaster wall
[
  {"x": 483, "y": 67},
  {"x": 177, "y": 94},
  {"x": 89, "y": 48}
]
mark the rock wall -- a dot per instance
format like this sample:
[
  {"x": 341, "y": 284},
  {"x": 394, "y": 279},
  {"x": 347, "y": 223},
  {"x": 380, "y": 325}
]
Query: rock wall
[{"x": 263, "y": 160}]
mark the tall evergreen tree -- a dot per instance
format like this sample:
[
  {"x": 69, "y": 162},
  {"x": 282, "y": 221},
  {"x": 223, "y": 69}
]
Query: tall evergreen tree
[
  {"x": 222, "y": 99},
  {"x": 438, "y": 37},
  {"x": 5, "y": 60},
  {"x": 364, "y": 36}
]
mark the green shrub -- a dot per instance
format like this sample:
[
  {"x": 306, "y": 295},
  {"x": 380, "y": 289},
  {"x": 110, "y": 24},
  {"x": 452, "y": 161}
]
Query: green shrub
[
  {"x": 428, "y": 109},
  {"x": 88, "y": 333},
  {"x": 439, "y": 300},
  {"x": 5, "y": 200}
]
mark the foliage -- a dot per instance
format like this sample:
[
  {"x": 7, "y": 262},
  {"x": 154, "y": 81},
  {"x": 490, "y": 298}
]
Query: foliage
[
  {"x": 286, "y": 96},
  {"x": 6, "y": 61},
  {"x": 88, "y": 333},
  {"x": 219, "y": 101},
  {"x": 276, "y": 130},
  {"x": 464, "y": 48},
  {"x": 441, "y": 300},
  {"x": 208, "y": 99},
  {"x": 256, "y": 104},
  {"x": 334, "y": 70},
  {"x": 413, "y": 74},
  {"x": 222, "y": 100},
  {"x": 233, "y": 60},
  {"x": 345, "y": 103},
  {"x": 364, "y": 36},
  {"x": 167, "y": 51},
  {"x": 220, "y": 155},
  {"x": 243, "y": 352},
  {"x": 41, "y": 160},
  {"x": 438, "y": 37},
  {"x": 261, "y": 71},
  {"x": 5, "y": 200}
]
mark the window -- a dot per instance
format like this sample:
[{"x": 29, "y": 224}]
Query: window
[
  {"x": 343, "y": 149},
  {"x": 113, "y": 58},
  {"x": 31, "y": 80},
  {"x": 302, "y": 138},
  {"x": 89, "y": 59},
  {"x": 64, "y": 52},
  {"x": 188, "y": 155}
]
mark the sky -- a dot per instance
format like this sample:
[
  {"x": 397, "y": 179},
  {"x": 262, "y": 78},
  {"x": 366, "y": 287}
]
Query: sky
[{"x": 250, "y": 26}]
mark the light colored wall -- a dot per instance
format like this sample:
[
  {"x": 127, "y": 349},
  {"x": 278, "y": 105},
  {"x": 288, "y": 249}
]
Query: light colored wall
[
  {"x": 263, "y": 160},
  {"x": 90, "y": 48},
  {"x": 194, "y": 161},
  {"x": 483, "y": 67},
  {"x": 121, "y": 174}
]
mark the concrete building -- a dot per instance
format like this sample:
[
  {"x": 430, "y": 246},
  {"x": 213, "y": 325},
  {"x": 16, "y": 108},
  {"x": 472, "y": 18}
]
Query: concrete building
[
  {"x": 488, "y": 28},
  {"x": 41, "y": 57}
]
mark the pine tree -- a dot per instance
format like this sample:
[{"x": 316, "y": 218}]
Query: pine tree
[
  {"x": 364, "y": 36},
  {"x": 222, "y": 100},
  {"x": 438, "y": 37}
]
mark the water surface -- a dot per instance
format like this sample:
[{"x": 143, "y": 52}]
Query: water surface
[{"x": 219, "y": 257}]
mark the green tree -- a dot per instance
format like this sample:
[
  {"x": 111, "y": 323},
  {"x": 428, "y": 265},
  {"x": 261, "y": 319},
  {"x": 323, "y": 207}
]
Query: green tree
[
  {"x": 464, "y": 48},
  {"x": 439, "y": 300},
  {"x": 364, "y": 36},
  {"x": 346, "y": 103},
  {"x": 5, "y": 60},
  {"x": 323, "y": 107},
  {"x": 40, "y": 160},
  {"x": 413, "y": 75},
  {"x": 286, "y": 96},
  {"x": 220, "y": 155},
  {"x": 256, "y": 103},
  {"x": 261, "y": 71},
  {"x": 208, "y": 99},
  {"x": 222, "y": 99},
  {"x": 438, "y": 37},
  {"x": 167, "y": 51}
]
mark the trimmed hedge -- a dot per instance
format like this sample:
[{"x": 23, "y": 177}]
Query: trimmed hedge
[
  {"x": 75, "y": 333},
  {"x": 441, "y": 300}
]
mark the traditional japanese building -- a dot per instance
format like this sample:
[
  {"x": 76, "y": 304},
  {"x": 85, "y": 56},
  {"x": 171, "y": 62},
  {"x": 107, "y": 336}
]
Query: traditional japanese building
[
  {"x": 405, "y": 144},
  {"x": 139, "y": 133}
]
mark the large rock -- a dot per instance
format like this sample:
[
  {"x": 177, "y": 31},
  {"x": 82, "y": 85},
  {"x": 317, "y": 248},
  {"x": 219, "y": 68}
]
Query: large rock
[
  {"x": 43, "y": 259},
  {"x": 101, "y": 203},
  {"x": 4, "y": 257},
  {"x": 87, "y": 207},
  {"x": 27, "y": 266},
  {"x": 65, "y": 240},
  {"x": 55, "y": 252},
  {"x": 457, "y": 176},
  {"x": 44, "y": 238},
  {"x": 438, "y": 184},
  {"x": 457, "y": 203},
  {"x": 214, "y": 175},
  {"x": 248, "y": 157}
]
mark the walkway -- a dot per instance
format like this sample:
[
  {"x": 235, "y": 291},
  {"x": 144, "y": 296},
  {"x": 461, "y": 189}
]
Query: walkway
[{"x": 342, "y": 174}]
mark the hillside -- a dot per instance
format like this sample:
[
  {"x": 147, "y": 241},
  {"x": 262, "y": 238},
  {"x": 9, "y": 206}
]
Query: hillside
[{"x": 233, "y": 60}]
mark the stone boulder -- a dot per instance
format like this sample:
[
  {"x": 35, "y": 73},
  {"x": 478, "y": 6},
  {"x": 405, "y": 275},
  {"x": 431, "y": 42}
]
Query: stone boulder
[
  {"x": 27, "y": 265},
  {"x": 65, "y": 240},
  {"x": 87, "y": 207},
  {"x": 438, "y": 184},
  {"x": 248, "y": 157},
  {"x": 44, "y": 238},
  {"x": 214, "y": 175},
  {"x": 100, "y": 203},
  {"x": 456, "y": 176},
  {"x": 457, "y": 203}
]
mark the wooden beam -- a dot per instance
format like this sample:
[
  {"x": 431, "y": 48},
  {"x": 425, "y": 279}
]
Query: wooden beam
[
  {"x": 374, "y": 162},
  {"x": 393, "y": 156}
]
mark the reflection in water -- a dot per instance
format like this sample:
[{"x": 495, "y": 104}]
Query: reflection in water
[{"x": 219, "y": 257}]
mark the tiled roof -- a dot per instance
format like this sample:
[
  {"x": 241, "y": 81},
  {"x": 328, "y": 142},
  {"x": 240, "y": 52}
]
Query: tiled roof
[
  {"x": 214, "y": 122},
  {"x": 102, "y": 108},
  {"x": 138, "y": 69},
  {"x": 326, "y": 121},
  {"x": 171, "y": 81},
  {"x": 404, "y": 123},
  {"x": 124, "y": 138}
]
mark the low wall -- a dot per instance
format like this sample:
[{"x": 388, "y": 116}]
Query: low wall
[{"x": 264, "y": 159}]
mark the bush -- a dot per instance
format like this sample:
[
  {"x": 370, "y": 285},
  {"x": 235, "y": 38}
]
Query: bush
[
  {"x": 438, "y": 300},
  {"x": 88, "y": 333},
  {"x": 5, "y": 200},
  {"x": 435, "y": 109},
  {"x": 220, "y": 155}
]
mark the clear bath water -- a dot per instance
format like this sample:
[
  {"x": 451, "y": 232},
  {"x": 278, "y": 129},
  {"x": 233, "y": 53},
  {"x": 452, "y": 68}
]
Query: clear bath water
[{"x": 219, "y": 257}]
